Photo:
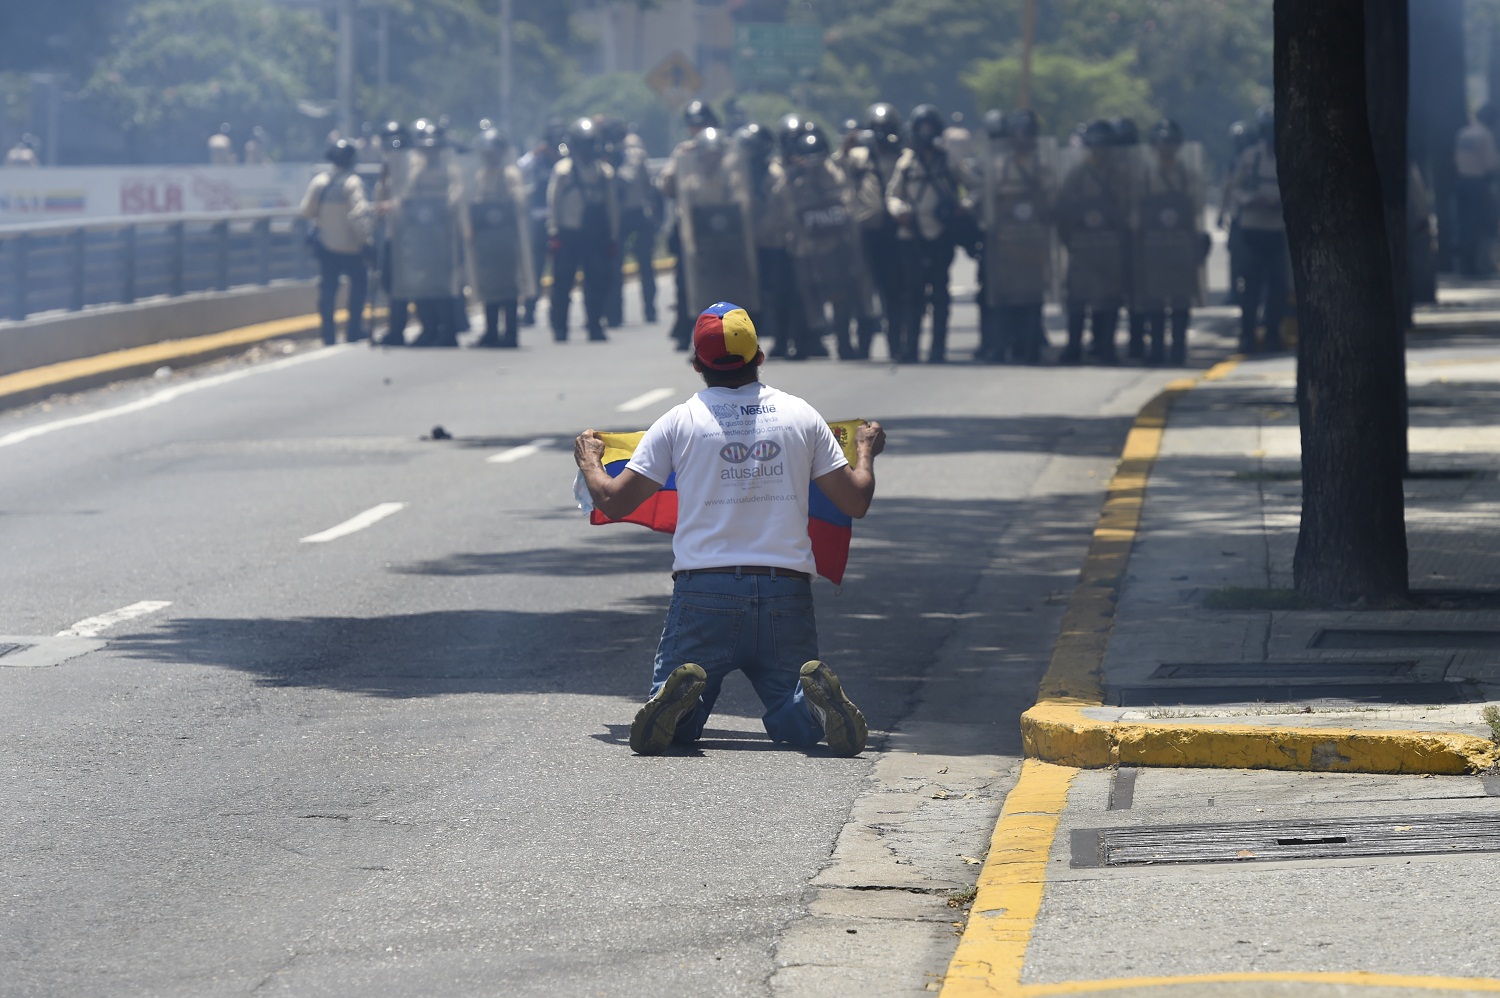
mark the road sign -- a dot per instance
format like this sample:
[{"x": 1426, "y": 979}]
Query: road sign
[
  {"x": 675, "y": 79},
  {"x": 772, "y": 55}
]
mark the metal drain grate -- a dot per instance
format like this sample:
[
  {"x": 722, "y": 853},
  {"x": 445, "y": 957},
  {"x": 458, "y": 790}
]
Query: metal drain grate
[
  {"x": 1352, "y": 638},
  {"x": 1310, "y": 670},
  {"x": 1239, "y": 842}
]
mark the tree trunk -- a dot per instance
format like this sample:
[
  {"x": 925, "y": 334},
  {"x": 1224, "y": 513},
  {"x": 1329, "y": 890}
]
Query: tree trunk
[
  {"x": 1352, "y": 543},
  {"x": 1387, "y": 58}
]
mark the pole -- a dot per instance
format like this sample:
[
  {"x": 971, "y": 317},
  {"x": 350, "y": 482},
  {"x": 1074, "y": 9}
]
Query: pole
[
  {"x": 1028, "y": 41},
  {"x": 346, "y": 68},
  {"x": 507, "y": 67}
]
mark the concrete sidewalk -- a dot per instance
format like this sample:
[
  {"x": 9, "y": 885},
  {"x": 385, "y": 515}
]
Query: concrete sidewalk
[
  {"x": 1205, "y": 659},
  {"x": 1227, "y": 794}
]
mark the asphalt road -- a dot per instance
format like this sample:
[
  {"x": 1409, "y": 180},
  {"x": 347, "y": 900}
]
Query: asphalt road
[{"x": 394, "y": 761}]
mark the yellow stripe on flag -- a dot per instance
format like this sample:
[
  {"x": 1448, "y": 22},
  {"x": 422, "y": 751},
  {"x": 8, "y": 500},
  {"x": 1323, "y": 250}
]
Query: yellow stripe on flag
[{"x": 619, "y": 446}]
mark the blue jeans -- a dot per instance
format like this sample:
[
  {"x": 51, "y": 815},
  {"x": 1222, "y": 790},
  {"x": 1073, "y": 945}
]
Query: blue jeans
[
  {"x": 332, "y": 266},
  {"x": 761, "y": 624}
]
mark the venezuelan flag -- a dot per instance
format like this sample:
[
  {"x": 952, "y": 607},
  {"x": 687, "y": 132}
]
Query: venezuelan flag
[{"x": 829, "y": 529}]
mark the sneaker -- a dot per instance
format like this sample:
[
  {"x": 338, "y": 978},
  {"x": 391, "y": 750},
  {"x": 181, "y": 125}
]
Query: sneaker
[
  {"x": 843, "y": 724},
  {"x": 656, "y": 722}
]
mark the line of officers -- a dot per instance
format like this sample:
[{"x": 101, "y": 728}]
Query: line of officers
[
  {"x": 817, "y": 243},
  {"x": 859, "y": 241}
]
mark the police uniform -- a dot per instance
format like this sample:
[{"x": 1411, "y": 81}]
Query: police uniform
[
  {"x": 815, "y": 205},
  {"x": 583, "y": 222},
  {"x": 1266, "y": 267},
  {"x": 924, "y": 191},
  {"x": 394, "y": 170},
  {"x": 1019, "y": 191},
  {"x": 639, "y": 221},
  {"x": 1093, "y": 223},
  {"x": 427, "y": 243},
  {"x": 1169, "y": 251},
  {"x": 498, "y": 250}
]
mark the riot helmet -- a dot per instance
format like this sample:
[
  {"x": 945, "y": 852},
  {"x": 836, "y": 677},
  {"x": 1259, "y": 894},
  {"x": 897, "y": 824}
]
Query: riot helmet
[
  {"x": 1098, "y": 133},
  {"x": 756, "y": 141},
  {"x": 1241, "y": 137},
  {"x": 1126, "y": 134},
  {"x": 699, "y": 115},
  {"x": 583, "y": 139},
  {"x": 1023, "y": 124},
  {"x": 996, "y": 126},
  {"x": 492, "y": 144},
  {"x": 788, "y": 130},
  {"x": 612, "y": 133},
  {"x": 811, "y": 146},
  {"x": 340, "y": 154},
  {"x": 926, "y": 126},
  {"x": 394, "y": 135},
  {"x": 1166, "y": 132},
  {"x": 884, "y": 123}
]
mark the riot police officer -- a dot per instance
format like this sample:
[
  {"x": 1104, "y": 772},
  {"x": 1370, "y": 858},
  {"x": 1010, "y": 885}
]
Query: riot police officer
[
  {"x": 583, "y": 224},
  {"x": 640, "y": 218},
  {"x": 713, "y": 212},
  {"x": 497, "y": 248},
  {"x": 1263, "y": 234},
  {"x": 335, "y": 201},
  {"x": 925, "y": 198},
  {"x": 870, "y": 166},
  {"x": 536, "y": 168},
  {"x": 1129, "y": 162},
  {"x": 1241, "y": 137},
  {"x": 756, "y": 149},
  {"x": 696, "y": 116},
  {"x": 427, "y": 238},
  {"x": 1170, "y": 242},
  {"x": 816, "y": 206},
  {"x": 1019, "y": 187},
  {"x": 1093, "y": 223},
  {"x": 395, "y": 162}
]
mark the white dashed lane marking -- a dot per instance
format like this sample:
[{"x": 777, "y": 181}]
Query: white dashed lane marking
[
  {"x": 90, "y": 627},
  {"x": 652, "y": 397},
  {"x": 370, "y": 516},
  {"x": 517, "y": 453}
]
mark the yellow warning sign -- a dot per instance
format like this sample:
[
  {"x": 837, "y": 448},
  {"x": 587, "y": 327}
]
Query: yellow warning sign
[{"x": 675, "y": 79}]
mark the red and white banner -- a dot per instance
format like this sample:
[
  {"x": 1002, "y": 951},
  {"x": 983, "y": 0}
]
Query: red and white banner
[{"x": 57, "y": 194}]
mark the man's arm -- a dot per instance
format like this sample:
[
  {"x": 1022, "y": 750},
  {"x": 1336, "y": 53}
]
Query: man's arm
[
  {"x": 852, "y": 488},
  {"x": 617, "y": 497}
]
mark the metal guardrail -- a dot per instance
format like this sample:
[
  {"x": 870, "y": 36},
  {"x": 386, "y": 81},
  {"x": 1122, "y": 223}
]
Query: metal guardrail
[{"x": 69, "y": 266}]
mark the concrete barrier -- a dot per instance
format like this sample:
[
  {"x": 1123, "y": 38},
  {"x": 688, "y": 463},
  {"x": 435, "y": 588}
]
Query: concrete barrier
[{"x": 51, "y": 339}]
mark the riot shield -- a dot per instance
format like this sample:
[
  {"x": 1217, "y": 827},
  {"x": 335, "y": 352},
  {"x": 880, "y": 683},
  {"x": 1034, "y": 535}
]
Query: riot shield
[
  {"x": 827, "y": 252},
  {"x": 1091, "y": 212},
  {"x": 1170, "y": 240},
  {"x": 424, "y": 250},
  {"x": 718, "y": 240},
  {"x": 1017, "y": 215},
  {"x": 496, "y": 246}
]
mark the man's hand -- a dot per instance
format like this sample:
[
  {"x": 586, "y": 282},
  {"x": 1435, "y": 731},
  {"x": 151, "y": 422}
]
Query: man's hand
[
  {"x": 588, "y": 449},
  {"x": 870, "y": 435}
]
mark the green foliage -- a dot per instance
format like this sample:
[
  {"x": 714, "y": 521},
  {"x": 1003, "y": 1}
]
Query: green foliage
[
  {"x": 179, "y": 68},
  {"x": 1066, "y": 90}
]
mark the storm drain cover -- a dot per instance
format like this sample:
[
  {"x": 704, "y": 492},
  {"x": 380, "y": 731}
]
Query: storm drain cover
[
  {"x": 1311, "y": 670},
  {"x": 1331, "y": 694},
  {"x": 1358, "y": 638},
  {"x": 1239, "y": 842}
]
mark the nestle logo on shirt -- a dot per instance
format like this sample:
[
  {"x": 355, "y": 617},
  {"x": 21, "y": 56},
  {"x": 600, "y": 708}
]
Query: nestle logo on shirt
[{"x": 756, "y": 410}]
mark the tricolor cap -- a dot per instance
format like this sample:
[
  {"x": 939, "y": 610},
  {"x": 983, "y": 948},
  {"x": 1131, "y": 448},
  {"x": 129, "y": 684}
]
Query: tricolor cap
[{"x": 724, "y": 337}]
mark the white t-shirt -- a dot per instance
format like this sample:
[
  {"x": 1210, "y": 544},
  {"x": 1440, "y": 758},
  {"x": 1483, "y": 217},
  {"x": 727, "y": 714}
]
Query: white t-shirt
[{"x": 744, "y": 460}]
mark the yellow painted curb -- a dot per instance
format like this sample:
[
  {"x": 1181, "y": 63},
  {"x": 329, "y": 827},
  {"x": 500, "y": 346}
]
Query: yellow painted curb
[
  {"x": 74, "y": 374},
  {"x": 1058, "y": 729}
]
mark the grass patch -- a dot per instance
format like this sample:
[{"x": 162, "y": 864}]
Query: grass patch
[
  {"x": 1491, "y": 715},
  {"x": 1245, "y": 598},
  {"x": 963, "y": 898}
]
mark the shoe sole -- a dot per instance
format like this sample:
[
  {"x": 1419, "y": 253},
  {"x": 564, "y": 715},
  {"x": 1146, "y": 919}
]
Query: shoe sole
[
  {"x": 656, "y": 722},
  {"x": 844, "y": 726}
]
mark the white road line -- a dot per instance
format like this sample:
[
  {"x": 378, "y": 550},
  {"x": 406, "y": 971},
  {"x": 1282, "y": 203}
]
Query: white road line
[
  {"x": 90, "y": 627},
  {"x": 516, "y": 453},
  {"x": 373, "y": 515},
  {"x": 160, "y": 398},
  {"x": 649, "y": 398}
]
